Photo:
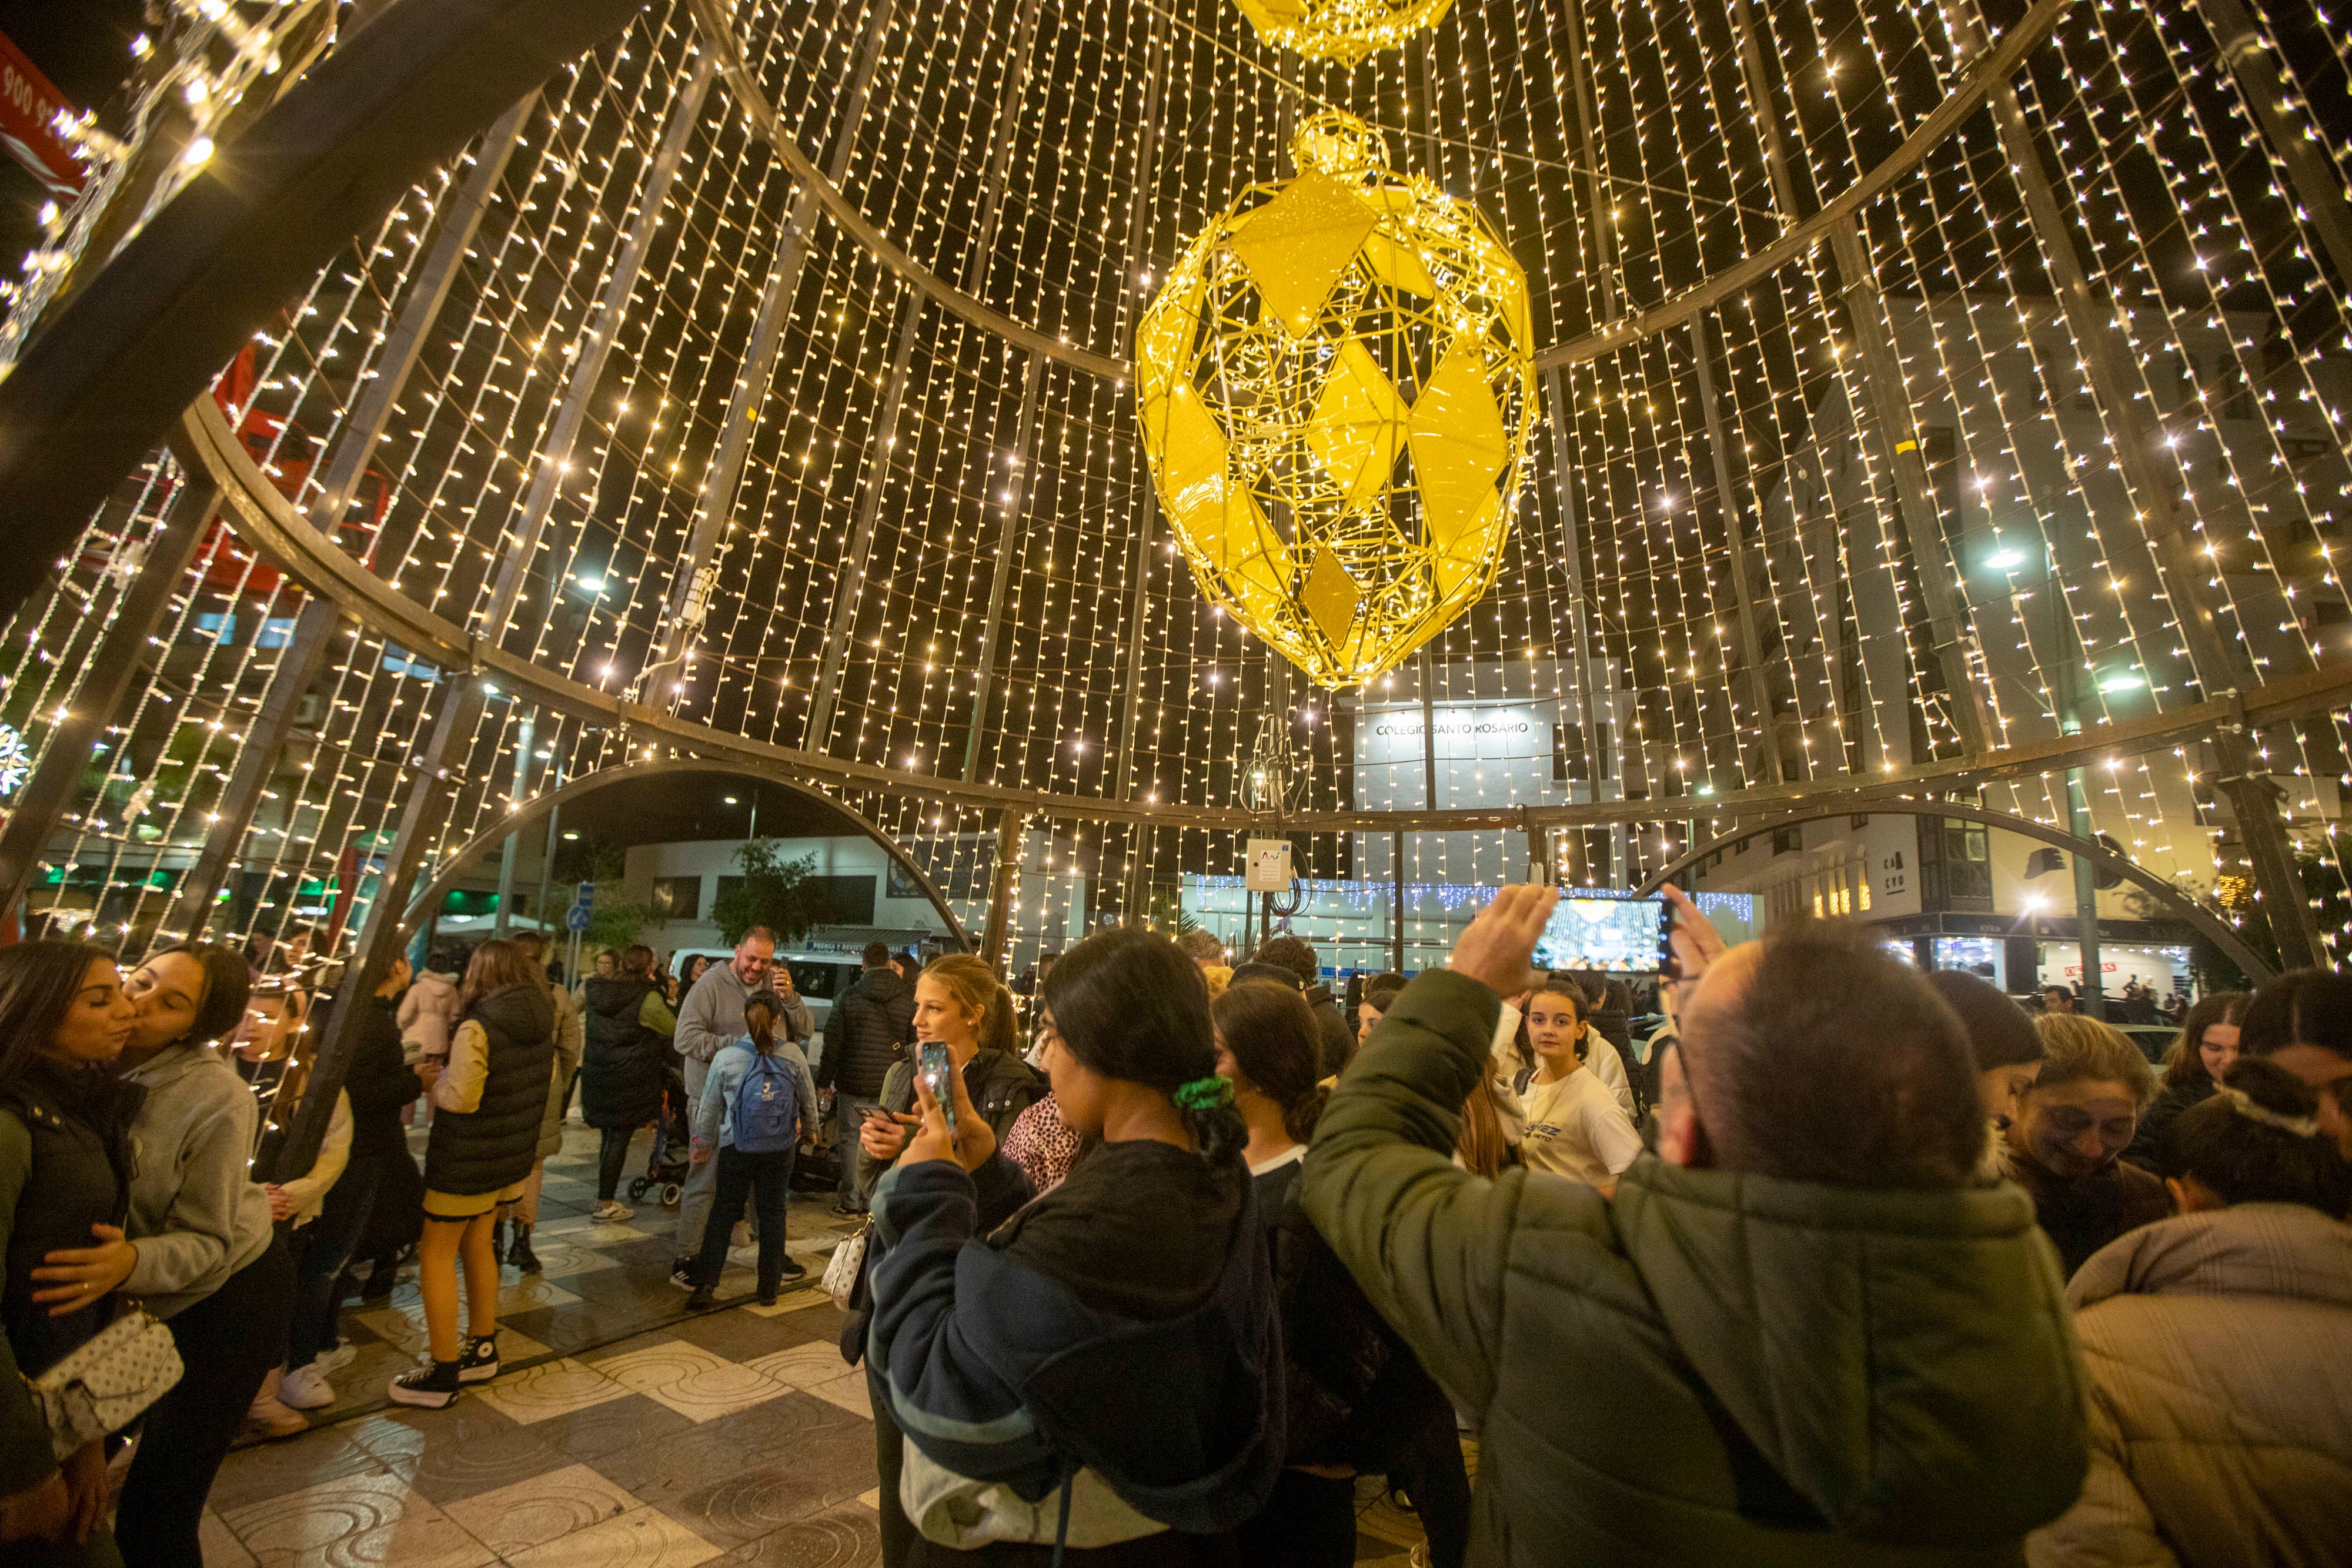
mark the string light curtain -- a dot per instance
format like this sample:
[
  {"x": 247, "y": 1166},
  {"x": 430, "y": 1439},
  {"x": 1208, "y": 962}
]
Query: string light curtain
[{"x": 1823, "y": 485}]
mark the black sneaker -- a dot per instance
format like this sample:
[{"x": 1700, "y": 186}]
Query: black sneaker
[
  {"x": 434, "y": 1387},
  {"x": 681, "y": 1274},
  {"x": 703, "y": 1299},
  {"x": 767, "y": 1298},
  {"x": 479, "y": 1361},
  {"x": 793, "y": 1271}
]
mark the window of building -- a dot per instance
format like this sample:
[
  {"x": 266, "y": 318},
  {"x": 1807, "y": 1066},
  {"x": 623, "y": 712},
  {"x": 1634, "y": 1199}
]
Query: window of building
[{"x": 677, "y": 898}]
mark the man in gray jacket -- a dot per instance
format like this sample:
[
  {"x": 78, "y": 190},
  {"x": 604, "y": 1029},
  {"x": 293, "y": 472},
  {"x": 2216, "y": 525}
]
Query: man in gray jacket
[{"x": 712, "y": 1019}]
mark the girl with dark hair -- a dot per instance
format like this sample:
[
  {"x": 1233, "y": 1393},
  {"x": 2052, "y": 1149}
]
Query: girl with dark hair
[
  {"x": 1575, "y": 1126},
  {"x": 1356, "y": 1400},
  {"x": 1098, "y": 1370},
  {"x": 2302, "y": 1021},
  {"x": 2219, "y": 1347},
  {"x": 756, "y": 1079},
  {"x": 199, "y": 1251},
  {"x": 2205, "y": 1048},
  {"x": 488, "y": 1105},
  {"x": 65, "y": 1165}
]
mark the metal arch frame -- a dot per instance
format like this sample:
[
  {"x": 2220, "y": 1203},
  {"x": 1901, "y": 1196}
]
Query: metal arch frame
[
  {"x": 1996, "y": 67},
  {"x": 267, "y": 521},
  {"x": 539, "y": 806},
  {"x": 2231, "y": 944},
  {"x": 103, "y": 381}
]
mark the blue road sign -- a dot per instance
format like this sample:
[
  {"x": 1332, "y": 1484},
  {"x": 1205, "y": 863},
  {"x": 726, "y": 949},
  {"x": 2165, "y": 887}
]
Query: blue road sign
[{"x": 576, "y": 917}]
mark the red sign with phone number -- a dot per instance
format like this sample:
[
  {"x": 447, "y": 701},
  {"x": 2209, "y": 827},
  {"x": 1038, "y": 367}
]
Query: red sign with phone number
[{"x": 29, "y": 104}]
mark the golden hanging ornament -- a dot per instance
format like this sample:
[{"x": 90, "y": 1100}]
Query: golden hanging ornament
[
  {"x": 1335, "y": 390},
  {"x": 1342, "y": 30}
]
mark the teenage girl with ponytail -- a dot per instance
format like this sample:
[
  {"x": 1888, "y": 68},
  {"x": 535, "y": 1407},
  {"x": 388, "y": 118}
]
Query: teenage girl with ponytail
[
  {"x": 1099, "y": 1370},
  {"x": 1357, "y": 1403}
]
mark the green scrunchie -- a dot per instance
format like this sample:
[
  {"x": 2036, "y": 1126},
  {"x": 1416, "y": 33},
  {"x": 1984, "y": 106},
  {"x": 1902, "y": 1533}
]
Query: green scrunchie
[{"x": 1205, "y": 1094}]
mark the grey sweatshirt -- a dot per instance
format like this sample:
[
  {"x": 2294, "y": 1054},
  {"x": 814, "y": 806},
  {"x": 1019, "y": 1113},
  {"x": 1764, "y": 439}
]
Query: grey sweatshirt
[
  {"x": 712, "y": 1018},
  {"x": 195, "y": 1212}
]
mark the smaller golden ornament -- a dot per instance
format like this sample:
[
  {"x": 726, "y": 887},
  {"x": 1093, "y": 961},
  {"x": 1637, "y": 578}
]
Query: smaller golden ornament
[
  {"x": 1341, "y": 30},
  {"x": 1334, "y": 391}
]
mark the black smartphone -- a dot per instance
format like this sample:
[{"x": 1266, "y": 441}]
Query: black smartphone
[{"x": 1613, "y": 936}]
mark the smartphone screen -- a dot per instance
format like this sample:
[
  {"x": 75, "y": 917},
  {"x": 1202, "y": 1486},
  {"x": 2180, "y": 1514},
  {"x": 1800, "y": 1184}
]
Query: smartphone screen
[
  {"x": 1613, "y": 936},
  {"x": 932, "y": 1063}
]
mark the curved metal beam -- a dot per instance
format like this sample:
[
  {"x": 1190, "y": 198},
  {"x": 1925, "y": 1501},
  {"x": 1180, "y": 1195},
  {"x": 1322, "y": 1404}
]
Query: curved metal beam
[
  {"x": 102, "y": 384},
  {"x": 1997, "y": 66},
  {"x": 2231, "y": 944},
  {"x": 539, "y": 806},
  {"x": 265, "y": 519},
  {"x": 712, "y": 21}
]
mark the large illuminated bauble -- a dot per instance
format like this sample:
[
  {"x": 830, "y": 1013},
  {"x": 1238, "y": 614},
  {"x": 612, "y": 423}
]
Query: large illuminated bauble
[
  {"x": 1342, "y": 30},
  {"x": 1335, "y": 390}
]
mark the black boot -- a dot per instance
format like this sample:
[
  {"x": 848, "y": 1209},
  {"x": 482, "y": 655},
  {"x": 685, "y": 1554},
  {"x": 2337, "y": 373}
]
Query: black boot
[{"x": 519, "y": 1252}]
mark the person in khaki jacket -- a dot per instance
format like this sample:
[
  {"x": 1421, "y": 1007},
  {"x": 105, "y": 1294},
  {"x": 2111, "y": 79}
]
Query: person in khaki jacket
[
  {"x": 2219, "y": 1347},
  {"x": 1800, "y": 1336}
]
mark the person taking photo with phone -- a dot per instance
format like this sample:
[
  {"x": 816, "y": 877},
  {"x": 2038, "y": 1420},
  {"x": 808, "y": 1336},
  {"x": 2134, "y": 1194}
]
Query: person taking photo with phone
[{"x": 1827, "y": 1343}]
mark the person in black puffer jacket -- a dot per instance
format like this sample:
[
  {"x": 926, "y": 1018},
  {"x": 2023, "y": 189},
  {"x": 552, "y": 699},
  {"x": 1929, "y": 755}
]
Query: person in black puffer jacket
[
  {"x": 629, "y": 1027},
  {"x": 865, "y": 1036},
  {"x": 1357, "y": 1400},
  {"x": 487, "y": 1106},
  {"x": 65, "y": 1162},
  {"x": 379, "y": 1082}
]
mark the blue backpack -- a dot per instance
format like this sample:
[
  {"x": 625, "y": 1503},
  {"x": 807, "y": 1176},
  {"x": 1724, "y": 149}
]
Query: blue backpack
[{"x": 766, "y": 1105}]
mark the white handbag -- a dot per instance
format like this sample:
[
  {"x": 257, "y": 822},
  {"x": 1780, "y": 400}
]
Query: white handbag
[
  {"x": 848, "y": 1261},
  {"x": 108, "y": 1382}
]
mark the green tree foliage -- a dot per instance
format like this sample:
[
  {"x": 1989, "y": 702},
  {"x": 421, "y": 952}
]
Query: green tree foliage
[{"x": 775, "y": 891}]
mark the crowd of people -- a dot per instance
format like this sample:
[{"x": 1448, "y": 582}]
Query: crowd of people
[{"x": 1849, "y": 1265}]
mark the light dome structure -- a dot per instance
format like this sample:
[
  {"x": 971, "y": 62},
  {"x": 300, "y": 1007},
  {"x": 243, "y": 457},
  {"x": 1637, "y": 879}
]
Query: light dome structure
[{"x": 1923, "y": 404}]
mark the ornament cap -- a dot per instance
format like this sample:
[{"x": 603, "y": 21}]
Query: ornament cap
[{"x": 1334, "y": 143}]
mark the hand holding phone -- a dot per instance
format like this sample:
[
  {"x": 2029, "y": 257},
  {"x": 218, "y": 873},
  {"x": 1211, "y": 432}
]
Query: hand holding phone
[{"x": 932, "y": 1066}]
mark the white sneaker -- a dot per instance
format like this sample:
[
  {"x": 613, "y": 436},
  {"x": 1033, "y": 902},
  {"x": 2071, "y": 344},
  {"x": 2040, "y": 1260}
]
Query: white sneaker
[
  {"x": 333, "y": 1361},
  {"x": 611, "y": 1213},
  {"x": 307, "y": 1388},
  {"x": 740, "y": 1236}
]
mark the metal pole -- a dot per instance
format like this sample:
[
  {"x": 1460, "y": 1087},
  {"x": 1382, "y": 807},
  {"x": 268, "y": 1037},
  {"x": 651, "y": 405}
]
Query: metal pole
[
  {"x": 690, "y": 595},
  {"x": 1396, "y": 869},
  {"x": 2068, "y": 692},
  {"x": 1008, "y": 527},
  {"x": 511, "y": 851},
  {"x": 1752, "y": 647},
  {"x": 2318, "y": 188},
  {"x": 1009, "y": 827},
  {"x": 2218, "y": 663},
  {"x": 1882, "y": 374},
  {"x": 306, "y": 651},
  {"x": 107, "y": 671},
  {"x": 435, "y": 772}
]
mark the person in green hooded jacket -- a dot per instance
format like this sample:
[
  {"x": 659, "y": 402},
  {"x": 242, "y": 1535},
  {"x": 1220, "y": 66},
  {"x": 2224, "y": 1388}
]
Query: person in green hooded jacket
[{"x": 1800, "y": 1334}]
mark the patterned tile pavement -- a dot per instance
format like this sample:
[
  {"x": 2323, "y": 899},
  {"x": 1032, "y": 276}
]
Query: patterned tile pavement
[{"x": 623, "y": 1431}]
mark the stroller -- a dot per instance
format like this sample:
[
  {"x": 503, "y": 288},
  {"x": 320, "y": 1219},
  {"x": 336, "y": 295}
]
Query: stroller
[{"x": 666, "y": 1167}]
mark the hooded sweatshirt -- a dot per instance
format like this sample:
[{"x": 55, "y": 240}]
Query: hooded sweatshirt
[
  {"x": 1118, "y": 1332},
  {"x": 428, "y": 1014},
  {"x": 2219, "y": 1352},
  {"x": 1715, "y": 1368},
  {"x": 195, "y": 1212}
]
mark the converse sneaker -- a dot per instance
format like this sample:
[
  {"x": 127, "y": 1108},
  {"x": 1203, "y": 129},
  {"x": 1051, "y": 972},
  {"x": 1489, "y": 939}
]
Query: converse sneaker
[
  {"x": 681, "y": 1273},
  {"x": 607, "y": 1212},
  {"x": 479, "y": 1361},
  {"x": 434, "y": 1387},
  {"x": 307, "y": 1388}
]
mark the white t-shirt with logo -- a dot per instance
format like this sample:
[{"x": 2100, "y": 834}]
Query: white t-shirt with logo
[{"x": 1577, "y": 1129}]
